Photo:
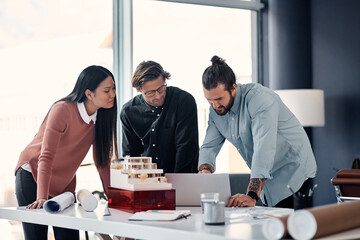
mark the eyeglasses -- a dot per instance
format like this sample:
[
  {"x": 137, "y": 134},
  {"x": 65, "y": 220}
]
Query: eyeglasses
[{"x": 152, "y": 93}]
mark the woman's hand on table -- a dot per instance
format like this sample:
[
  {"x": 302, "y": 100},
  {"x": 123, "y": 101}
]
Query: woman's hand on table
[{"x": 37, "y": 204}]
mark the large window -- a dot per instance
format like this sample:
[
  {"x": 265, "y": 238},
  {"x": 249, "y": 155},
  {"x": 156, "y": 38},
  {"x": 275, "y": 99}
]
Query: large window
[
  {"x": 183, "y": 38},
  {"x": 44, "y": 45}
]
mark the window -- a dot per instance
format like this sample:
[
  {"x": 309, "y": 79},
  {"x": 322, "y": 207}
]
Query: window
[
  {"x": 183, "y": 38},
  {"x": 44, "y": 46}
]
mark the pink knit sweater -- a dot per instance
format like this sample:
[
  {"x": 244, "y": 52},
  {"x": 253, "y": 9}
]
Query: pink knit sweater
[{"x": 58, "y": 149}]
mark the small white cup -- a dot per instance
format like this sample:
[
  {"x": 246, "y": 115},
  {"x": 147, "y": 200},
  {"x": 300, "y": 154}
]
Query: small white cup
[
  {"x": 208, "y": 197},
  {"x": 214, "y": 213}
]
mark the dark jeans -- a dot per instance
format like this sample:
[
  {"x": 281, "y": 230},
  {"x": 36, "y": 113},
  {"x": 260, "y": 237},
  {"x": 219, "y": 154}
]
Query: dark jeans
[
  {"x": 25, "y": 189},
  {"x": 289, "y": 202}
]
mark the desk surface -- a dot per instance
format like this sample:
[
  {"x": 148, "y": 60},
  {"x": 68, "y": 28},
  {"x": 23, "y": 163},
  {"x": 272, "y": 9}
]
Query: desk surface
[{"x": 117, "y": 224}]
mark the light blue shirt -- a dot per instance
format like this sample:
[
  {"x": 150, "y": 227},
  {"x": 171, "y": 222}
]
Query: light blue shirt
[{"x": 269, "y": 138}]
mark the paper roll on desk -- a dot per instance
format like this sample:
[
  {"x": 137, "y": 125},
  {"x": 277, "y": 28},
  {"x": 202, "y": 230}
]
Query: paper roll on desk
[
  {"x": 273, "y": 229},
  {"x": 283, "y": 219},
  {"x": 276, "y": 229},
  {"x": 59, "y": 203},
  {"x": 321, "y": 221},
  {"x": 88, "y": 201}
]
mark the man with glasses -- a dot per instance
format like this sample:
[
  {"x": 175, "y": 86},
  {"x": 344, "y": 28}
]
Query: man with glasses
[{"x": 161, "y": 122}]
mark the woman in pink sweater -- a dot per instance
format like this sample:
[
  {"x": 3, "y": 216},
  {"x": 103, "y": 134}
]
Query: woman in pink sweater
[{"x": 47, "y": 166}]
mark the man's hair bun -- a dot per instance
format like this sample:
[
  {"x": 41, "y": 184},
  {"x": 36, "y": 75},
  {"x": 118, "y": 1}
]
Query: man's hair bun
[{"x": 217, "y": 60}]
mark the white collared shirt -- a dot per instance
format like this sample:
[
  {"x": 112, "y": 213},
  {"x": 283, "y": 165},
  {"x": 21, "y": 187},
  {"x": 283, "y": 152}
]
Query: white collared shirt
[{"x": 85, "y": 117}]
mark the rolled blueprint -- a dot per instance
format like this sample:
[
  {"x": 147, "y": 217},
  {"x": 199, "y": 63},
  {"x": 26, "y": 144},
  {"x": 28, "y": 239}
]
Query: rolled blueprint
[
  {"x": 59, "y": 203},
  {"x": 88, "y": 201},
  {"x": 324, "y": 220},
  {"x": 273, "y": 229}
]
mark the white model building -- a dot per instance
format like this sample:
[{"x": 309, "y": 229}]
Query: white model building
[{"x": 138, "y": 173}]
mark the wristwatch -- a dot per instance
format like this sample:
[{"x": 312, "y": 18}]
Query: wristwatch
[{"x": 253, "y": 195}]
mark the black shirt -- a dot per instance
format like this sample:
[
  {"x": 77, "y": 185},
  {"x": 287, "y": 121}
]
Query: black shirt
[{"x": 168, "y": 134}]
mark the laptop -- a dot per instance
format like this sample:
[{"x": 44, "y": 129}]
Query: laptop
[{"x": 189, "y": 186}]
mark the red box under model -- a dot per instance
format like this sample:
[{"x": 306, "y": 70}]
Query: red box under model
[{"x": 137, "y": 201}]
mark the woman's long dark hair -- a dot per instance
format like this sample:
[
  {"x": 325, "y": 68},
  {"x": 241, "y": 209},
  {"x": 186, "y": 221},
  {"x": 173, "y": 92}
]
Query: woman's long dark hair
[{"x": 105, "y": 128}]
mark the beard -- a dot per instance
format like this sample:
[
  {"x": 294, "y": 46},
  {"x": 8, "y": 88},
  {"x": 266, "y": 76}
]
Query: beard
[{"x": 222, "y": 110}]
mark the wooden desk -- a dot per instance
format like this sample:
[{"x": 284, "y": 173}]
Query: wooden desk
[{"x": 117, "y": 224}]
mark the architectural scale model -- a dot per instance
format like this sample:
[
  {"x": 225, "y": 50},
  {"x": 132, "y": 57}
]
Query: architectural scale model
[{"x": 138, "y": 173}]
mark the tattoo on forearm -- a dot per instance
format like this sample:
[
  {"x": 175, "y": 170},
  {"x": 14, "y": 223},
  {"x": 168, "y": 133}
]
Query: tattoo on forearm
[{"x": 256, "y": 184}]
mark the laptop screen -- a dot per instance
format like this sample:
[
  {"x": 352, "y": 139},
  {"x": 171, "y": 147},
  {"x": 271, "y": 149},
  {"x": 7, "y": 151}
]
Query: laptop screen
[{"x": 189, "y": 186}]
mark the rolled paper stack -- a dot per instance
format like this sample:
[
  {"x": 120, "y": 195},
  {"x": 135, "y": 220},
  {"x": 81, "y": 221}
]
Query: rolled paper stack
[
  {"x": 283, "y": 220},
  {"x": 59, "y": 203},
  {"x": 273, "y": 229},
  {"x": 277, "y": 227},
  {"x": 87, "y": 200},
  {"x": 321, "y": 221}
]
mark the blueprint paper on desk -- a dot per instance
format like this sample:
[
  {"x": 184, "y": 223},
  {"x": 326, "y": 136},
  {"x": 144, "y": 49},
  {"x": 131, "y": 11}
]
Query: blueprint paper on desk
[
  {"x": 159, "y": 215},
  {"x": 59, "y": 203},
  {"x": 258, "y": 211},
  {"x": 248, "y": 214}
]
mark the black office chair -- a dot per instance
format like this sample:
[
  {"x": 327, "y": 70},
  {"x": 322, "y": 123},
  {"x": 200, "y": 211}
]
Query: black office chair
[
  {"x": 356, "y": 163},
  {"x": 347, "y": 185}
]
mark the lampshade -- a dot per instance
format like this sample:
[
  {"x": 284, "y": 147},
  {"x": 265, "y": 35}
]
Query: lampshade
[{"x": 306, "y": 104}]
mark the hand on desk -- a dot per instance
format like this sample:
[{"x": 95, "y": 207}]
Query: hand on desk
[
  {"x": 241, "y": 200},
  {"x": 37, "y": 204}
]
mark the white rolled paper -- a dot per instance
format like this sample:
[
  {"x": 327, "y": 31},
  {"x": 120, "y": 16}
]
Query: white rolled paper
[
  {"x": 59, "y": 203},
  {"x": 88, "y": 201},
  {"x": 302, "y": 225},
  {"x": 320, "y": 221},
  {"x": 273, "y": 229}
]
